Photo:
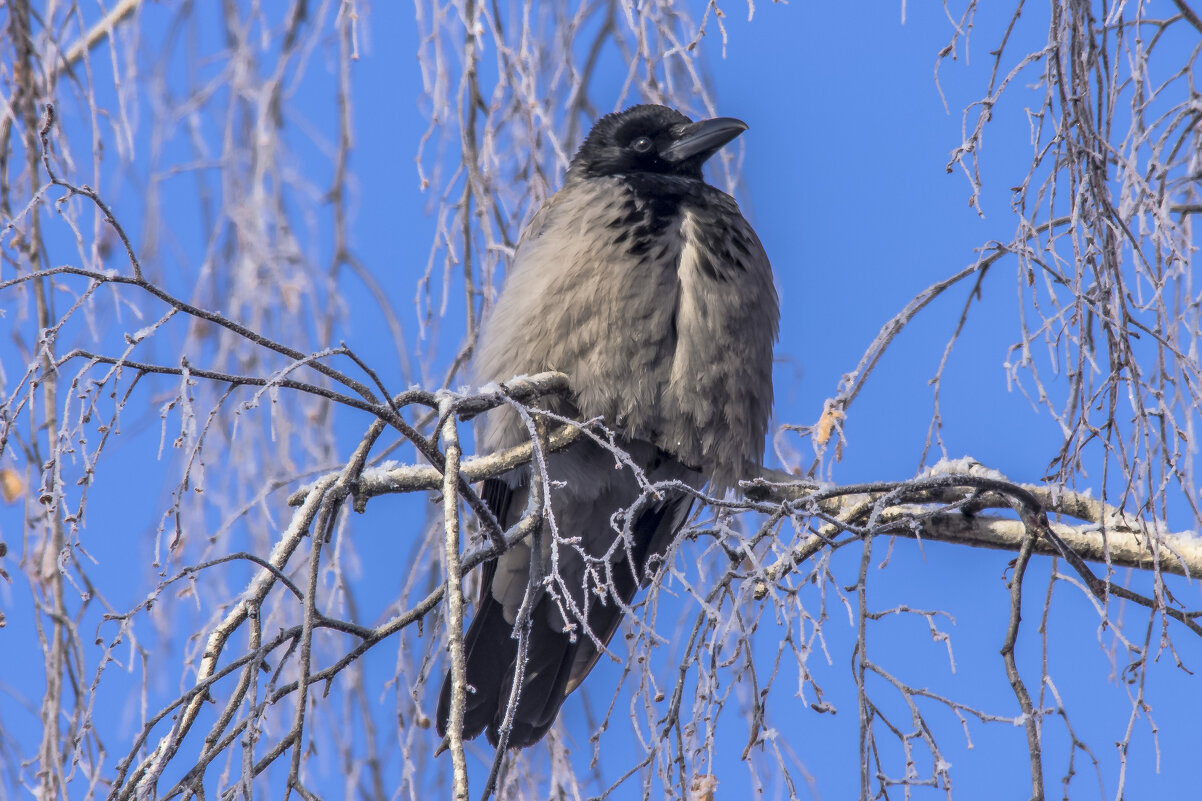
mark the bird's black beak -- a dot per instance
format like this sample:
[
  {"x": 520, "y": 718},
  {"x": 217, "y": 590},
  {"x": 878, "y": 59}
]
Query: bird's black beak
[{"x": 702, "y": 138}]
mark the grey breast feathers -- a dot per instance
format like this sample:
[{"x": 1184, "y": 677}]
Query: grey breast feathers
[{"x": 668, "y": 338}]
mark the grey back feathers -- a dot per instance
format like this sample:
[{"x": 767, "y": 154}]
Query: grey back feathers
[{"x": 649, "y": 289}]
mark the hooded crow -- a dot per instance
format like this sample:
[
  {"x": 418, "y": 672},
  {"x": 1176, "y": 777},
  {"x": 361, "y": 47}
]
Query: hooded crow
[{"x": 648, "y": 288}]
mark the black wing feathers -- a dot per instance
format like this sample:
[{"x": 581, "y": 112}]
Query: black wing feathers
[{"x": 491, "y": 644}]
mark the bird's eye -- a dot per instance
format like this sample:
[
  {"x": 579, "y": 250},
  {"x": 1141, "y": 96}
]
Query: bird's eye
[{"x": 642, "y": 145}]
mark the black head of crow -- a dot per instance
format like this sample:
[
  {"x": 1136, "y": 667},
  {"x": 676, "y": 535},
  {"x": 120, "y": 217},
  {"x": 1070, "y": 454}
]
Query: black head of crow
[
  {"x": 648, "y": 288},
  {"x": 651, "y": 140}
]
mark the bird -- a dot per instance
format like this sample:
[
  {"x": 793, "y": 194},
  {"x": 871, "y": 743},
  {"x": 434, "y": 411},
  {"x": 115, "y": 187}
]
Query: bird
[{"x": 648, "y": 288}]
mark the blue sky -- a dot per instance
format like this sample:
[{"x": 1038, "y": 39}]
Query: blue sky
[{"x": 844, "y": 177}]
